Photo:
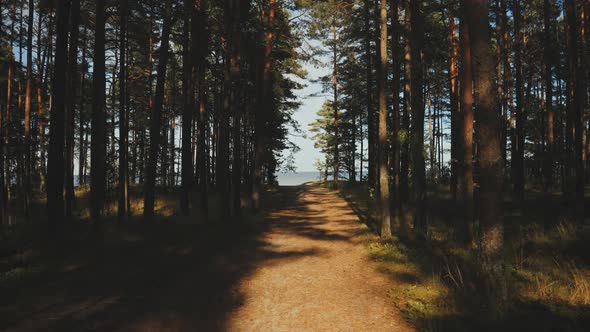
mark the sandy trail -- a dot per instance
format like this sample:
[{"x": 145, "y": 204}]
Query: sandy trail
[{"x": 331, "y": 286}]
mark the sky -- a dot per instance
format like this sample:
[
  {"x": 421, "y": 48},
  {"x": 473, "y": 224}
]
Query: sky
[{"x": 306, "y": 114}]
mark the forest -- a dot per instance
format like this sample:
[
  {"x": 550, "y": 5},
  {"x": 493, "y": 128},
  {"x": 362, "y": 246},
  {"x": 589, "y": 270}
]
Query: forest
[{"x": 141, "y": 141}]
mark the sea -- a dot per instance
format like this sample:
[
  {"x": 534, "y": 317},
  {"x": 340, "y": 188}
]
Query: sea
[{"x": 298, "y": 178}]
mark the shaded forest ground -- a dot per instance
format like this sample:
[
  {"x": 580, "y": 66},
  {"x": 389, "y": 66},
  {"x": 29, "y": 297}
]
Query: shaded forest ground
[
  {"x": 301, "y": 266},
  {"x": 547, "y": 263},
  {"x": 174, "y": 275},
  {"x": 167, "y": 275}
]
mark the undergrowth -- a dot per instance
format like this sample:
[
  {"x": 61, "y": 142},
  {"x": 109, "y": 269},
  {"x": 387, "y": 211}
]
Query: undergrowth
[{"x": 438, "y": 282}]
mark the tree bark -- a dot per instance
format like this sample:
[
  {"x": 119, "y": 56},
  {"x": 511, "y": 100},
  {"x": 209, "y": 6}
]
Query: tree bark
[
  {"x": 98, "y": 146},
  {"x": 548, "y": 61},
  {"x": 156, "y": 118},
  {"x": 454, "y": 102},
  {"x": 72, "y": 78},
  {"x": 369, "y": 97},
  {"x": 187, "y": 111},
  {"x": 55, "y": 163},
  {"x": 417, "y": 136},
  {"x": 395, "y": 87},
  {"x": 28, "y": 96},
  {"x": 263, "y": 106},
  {"x": 519, "y": 139},
  {"x": 123, "y": 183},
  {"x": 491, "y": 239},
  {"x": 383, "y": 146},
  {"x": 465, "y": 123}
]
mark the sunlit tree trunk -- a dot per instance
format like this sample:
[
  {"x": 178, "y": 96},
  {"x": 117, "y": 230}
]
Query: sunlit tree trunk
[
  {"x": 491, "y": 240},
  {"x": 369, "y": 97},
  {"x": 27, "y": 119},
  {"x": 465, "y": 124},
  {"x": 383, "y": 143}
]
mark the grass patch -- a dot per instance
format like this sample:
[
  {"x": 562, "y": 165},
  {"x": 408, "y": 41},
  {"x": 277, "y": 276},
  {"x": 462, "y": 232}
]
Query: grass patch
[{"x": 438, "y": 283}]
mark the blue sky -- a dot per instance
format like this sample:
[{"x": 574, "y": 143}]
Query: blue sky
[{"x": 304, "y": 159}]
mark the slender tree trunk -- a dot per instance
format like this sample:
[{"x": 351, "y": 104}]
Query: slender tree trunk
[
  {"x": 335, "y": 102},
  {"x": 383, "y": 146},
  {"x": 518, "y": 143},
  {"x": 98, "y": 145},
  {"x": 156, "y": 119},
  {"x": 417, "y": 136},
  {"x": 454, "y": 103},
  {"x": 395, "y": 87},
  {"x": 575, "y": 106},
  {"x": 238, "y": 10},
  {"x": 370, "y": 111},
  {"x": 72, "y": 79},
  {"x": 187, "y": 111},
  {"x": 490, "y": 158},
  {"x": 405, "y": 144},
  {"x": 2, "y": 175},
  {"x": 55, "y": 163},
  {"x": 202, "y": 154},
  {"x": 548, "y": 57},
  {"x": 123, "y": 183},
  {"x": 81, "y": 117},
  {"x": 40, "y": 102},
  {"x": 28, "y": 97}
]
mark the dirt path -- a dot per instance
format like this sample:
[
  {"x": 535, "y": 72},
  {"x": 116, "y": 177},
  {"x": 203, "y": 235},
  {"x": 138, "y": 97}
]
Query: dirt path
[
  {"x": 330, "y": 287},
  {"x": 304, "y": 269}
]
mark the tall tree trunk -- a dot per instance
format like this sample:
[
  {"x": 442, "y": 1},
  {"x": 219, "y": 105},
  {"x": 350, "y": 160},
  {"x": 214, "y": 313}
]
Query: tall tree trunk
[
  {"x": 575, "y": 106},
  {"x": 40, "y": 100},
  {"x": 81, "y": 117},
  {"x": 465, "y": 124},
  {"x": 28, "y": 97},
  {"x": 548, "y": 61},
  {"x": 335, "y": 104},
  {"x": 405, "y": 125},
  {"x": 395, "y": 87},
  {"x": 454, "y": 102},
  {"x": 518, "y": 143},
  {"x": 123, "y": 183},
  {"x": 2, "y": 175},
  {"x": 187, "y": 111},
  {"x": 71, "y": 92},
  {"x": 370, "y": 111},
  {"x": 417, "y": 136},
  {"x": 383, "y": 146},
  {"x": 202, "y": 154},
  {"x": 55, "y": 163},
  {"x": 156, "y": 119},
  {"x": 263, "y": 106},
  {"x": 98, "y": 145},
  {"x": 240, "y": 8},
  {"x": 491, "y": 232}
]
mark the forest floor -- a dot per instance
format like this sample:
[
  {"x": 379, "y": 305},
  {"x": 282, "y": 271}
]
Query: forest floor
[{"x": 302, "y": 267}]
